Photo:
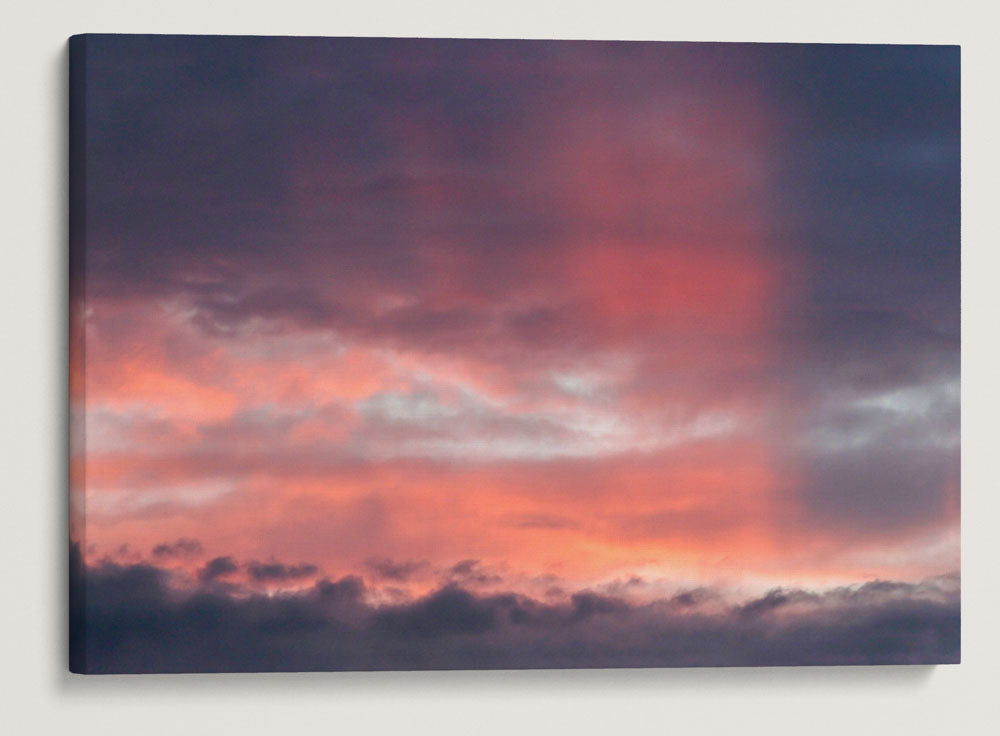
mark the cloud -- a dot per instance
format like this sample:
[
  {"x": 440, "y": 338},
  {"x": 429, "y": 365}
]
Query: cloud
[
  {"x": 277, "y": 571},
  {"x": 126, "y": 619},
  {"x": 386, "y": 569},
  {"x": 183, "y": 547},
  {"x": 445, "y": 612},
  {"x": 217, "y": 567},
  {"x": 472, "y": 572},
  {"x": 882, "y": 458},
  {"x": 587, "y": 604},
  {"x": 774, "y": 600},
  {"x": 413, "y": 238},
  {"x": 693, "y": 597},
  {"x": 349, "y": 590}
]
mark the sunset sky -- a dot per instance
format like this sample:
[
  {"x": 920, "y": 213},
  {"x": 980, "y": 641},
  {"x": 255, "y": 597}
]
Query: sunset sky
[{"x": 635, "y": 337}]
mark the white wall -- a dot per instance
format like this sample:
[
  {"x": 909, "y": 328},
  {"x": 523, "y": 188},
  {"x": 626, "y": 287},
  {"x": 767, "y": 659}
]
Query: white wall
[{"x": 36, "y": 694}]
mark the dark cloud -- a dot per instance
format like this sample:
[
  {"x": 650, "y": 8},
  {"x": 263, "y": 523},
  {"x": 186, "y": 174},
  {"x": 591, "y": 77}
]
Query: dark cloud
[
  {"x": 264, "y": 572},
  {"x": 472, "y": 572},
  {"x": 210, "y": 177},
  {"x": 871, "y": 172},
  {"x": 869, "y": 194},
  {"x": 387, "y": 569},
  {"x": 203, "y": 180},
  {"x": 881, "y": 486},
  {"x": 864, "y": 349},
  {"x": 217, "y": 567},
  {"x": 126, "y": 619},
  {"x": 183, "y": 547},
  {"x": 257, "y": 572},
  {"x": 464, "y": 567},
  {"x": 878, "y": 431},
  {"x": 448, "y": 611},
  {"x": 693, "y": 597},
  {"x": 771, "y": 601},
  {"x": 346, "y": 590},
  {"x": 587, "y": 604},
  {"x": 869, "y": 91}
]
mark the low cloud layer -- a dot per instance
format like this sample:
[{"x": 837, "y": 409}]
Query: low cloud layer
[{"x": 127, "y": 618}]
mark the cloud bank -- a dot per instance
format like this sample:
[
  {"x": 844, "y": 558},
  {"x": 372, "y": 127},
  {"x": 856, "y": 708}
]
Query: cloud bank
[{"x": 127, "y": 619}]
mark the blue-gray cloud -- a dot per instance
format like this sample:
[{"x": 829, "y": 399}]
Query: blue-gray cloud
[{"x": 127, "y": 619}]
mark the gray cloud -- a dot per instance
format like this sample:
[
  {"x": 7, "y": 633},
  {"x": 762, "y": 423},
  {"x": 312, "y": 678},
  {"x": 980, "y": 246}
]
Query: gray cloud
[
  {"x": 183, "y": 547},
  {"x": 387, "y": 569},
  {"x": 217, "y": 567},
  {"x": 126, "y": 619},
  {"x": 262, "y": 572}
]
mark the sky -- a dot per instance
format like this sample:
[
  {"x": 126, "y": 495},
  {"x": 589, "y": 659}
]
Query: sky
[{"x": 415, "y": 353}]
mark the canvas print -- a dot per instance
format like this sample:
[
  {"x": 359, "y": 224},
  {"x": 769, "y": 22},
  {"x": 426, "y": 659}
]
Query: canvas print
[{"x": 405, "y": 354}]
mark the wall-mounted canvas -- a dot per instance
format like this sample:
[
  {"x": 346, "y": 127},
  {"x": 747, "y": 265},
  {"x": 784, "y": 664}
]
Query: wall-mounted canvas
[{"x": 395, "y": 354}]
